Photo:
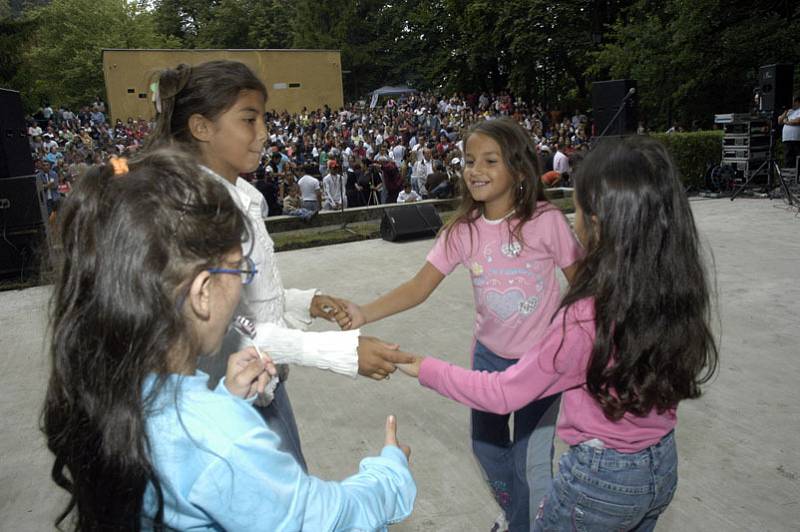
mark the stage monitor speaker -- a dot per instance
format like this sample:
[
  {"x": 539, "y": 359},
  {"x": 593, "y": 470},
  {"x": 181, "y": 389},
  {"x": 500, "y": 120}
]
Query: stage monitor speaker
[
  {"x": 23, "y": 229},
  {"x": 410, "y": 221},
  {"x": 775, "y": 84},
  {"x": 607, "y": 96},
  {"x": 15, "y": 150}
]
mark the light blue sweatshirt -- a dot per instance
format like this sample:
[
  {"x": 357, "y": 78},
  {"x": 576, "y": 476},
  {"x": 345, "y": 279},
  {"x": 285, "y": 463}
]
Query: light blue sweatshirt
[{"x": 220, "y": 468}]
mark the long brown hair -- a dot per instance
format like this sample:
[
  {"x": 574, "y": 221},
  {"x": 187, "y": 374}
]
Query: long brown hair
[
  {"x": 519, "y": 155},
  {"x": 653, "y": 344}
]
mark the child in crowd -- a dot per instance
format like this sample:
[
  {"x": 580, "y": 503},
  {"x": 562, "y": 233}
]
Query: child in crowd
[
  {"x": 293, "y": 204},
  {"x": 631, "y": 339},
  {"x": 215, "y": 111},
  {"x": 511, "y": 240},
  {"x": 152, "y": 273},
  {"x": 408, "y": 195}
]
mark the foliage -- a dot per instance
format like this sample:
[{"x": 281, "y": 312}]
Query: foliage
[
  {"x": 695, "y": 59},
  {"x": 693, "y": 152},
  {"x": 691, "y": 59},
  {"x": 64, "y": 62}
]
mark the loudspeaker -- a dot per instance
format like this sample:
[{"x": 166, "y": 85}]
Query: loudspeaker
[
  {"x": 775, "y": 85},
  {"x": 23, "y": 248},
  {"x": 410, "y": 221},
  {"x": 607, "y": 96},
  {"x": 15, "y": 150}
]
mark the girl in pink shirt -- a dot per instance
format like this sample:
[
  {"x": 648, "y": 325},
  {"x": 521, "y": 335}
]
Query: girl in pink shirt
[
  {"x": 629, "y": 342},
  {"x": 511, "y": 240}
]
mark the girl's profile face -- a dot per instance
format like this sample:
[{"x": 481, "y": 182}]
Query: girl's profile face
[
  {"x": 486, "y": 174},
  {"x": 237, "y": 137}
]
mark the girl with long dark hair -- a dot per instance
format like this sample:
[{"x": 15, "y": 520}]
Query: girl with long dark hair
[
  {"x": 152, "y": 273},
  {"x": 631, "y": 340}
]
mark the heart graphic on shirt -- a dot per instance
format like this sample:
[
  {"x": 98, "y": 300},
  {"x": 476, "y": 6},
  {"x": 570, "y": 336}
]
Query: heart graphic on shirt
[{"x": 506, "y": 304}]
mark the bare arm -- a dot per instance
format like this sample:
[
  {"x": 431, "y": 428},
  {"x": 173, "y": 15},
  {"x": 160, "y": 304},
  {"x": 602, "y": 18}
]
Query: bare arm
[
  {"x": 407, "y": 295},
  {"x": 569, "y": 272}
]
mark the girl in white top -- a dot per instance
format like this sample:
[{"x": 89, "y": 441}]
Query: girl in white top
[{"x": 216, "y": 110}]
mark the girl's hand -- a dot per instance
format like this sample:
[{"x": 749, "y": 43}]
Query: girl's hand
[
  {"x": 327, "y": 307},
  {"x": 412, "y": 370},
  {"x": 391, "y": 436},
  {"x": 247, "y": 374},
  {"x": 377, "y": 359},
  {"x": 353, "y": 317}
]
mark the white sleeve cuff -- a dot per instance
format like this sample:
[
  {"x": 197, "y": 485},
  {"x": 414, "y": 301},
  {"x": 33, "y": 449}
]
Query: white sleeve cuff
[
  {"x": 297, "y": 307},
  {"x": 336, "y": 351}
]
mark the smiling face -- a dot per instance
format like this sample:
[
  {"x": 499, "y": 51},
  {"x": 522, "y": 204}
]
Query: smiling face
[
  {"x": 232, "y": 143},
  {"x": 488, "y": 178}
]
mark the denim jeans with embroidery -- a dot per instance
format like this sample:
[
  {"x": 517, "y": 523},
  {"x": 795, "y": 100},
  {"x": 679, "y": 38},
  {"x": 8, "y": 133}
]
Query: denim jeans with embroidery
[
  {"x": 519, "y": 469},
  {"x": 599, "y": 489}
]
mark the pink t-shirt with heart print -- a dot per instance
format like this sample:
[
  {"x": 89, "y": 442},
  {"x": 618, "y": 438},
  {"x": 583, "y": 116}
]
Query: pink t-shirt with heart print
[{"x": 514, "y": 283}]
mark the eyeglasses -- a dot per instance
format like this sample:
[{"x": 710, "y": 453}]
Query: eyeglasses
[{"x": 247, "y": 273}]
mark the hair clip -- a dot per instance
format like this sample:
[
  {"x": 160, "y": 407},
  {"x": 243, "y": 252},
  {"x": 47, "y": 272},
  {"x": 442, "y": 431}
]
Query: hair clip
[
  {"x": 120, "y": 165},
  {"x": 156, "y": 98}
]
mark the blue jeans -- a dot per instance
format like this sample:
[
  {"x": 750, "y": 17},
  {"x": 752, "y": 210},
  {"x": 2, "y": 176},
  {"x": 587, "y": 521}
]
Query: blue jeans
[
  {"x": 601, "y": 489},
  {"x": 518, "y": 470}
]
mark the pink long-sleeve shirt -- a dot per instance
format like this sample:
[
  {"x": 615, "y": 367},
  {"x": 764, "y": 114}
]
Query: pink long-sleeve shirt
[{"x": 545, "y": 370}]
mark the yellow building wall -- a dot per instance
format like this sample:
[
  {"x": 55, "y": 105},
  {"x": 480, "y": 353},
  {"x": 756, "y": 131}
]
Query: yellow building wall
[{"x": 294, "y": 78}]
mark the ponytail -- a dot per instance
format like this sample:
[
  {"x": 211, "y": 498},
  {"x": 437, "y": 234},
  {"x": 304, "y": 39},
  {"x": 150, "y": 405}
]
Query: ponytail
[{"x": 167, "y": 84}]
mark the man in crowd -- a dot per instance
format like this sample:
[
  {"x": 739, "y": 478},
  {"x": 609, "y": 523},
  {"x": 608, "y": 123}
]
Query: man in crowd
[{"x": 791, "y": 133}]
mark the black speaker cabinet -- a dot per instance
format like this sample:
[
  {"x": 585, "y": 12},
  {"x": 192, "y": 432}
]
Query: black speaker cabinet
[
  {"x": 775, "y": 84},
  {"x": 410, "y": 221},
  {"x": 607, "y": 96},
  {"x": 15, "y": 151},
  {"x": 23, "y": 246}
]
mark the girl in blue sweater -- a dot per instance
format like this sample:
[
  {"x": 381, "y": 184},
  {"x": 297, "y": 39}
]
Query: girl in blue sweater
[{"x": 152, "y": 272}]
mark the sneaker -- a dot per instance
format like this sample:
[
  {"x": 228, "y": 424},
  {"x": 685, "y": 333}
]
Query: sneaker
[{"x": 500, "y": 524}]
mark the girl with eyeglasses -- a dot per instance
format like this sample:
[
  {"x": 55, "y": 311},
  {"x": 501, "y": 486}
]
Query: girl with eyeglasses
[{"x": 151, "y": 274}]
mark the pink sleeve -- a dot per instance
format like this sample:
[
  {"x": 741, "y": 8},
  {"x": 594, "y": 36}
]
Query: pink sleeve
[
  {"x": 560, "y": 240},
  {"x": 445, "y": 257},
  {"x": 546, "y": 369}
]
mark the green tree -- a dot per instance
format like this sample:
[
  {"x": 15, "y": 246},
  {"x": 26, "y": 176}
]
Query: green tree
[
  {"x": 695, "y": 59},
  {"x": 64, "y": 62}
]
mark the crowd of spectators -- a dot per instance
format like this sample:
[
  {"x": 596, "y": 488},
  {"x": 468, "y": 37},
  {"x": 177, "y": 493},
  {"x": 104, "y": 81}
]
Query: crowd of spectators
[{"x": 329, "y": 159}]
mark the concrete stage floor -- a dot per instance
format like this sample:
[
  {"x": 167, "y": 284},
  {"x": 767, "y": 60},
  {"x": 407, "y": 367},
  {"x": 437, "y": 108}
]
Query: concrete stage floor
[{"x": 739, "y": 458}]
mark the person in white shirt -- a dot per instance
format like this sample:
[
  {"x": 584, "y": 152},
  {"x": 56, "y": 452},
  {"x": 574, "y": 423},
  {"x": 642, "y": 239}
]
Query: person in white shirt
[
  {"x": 310, "y": 190},
  {"x": 333, "y": 188},
  {"x": 398, "y": 152},
  {"x": 791, "y": 133},
  {"x": 422, "y": 168},
  {"x": 408, "y": 195},
  {"x": 561, "y": 162}
]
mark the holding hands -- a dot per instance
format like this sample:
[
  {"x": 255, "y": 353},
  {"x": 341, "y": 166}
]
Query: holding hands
[
  {"x": 329, "y": 308},
  {"x": 376, "y": 359}
]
